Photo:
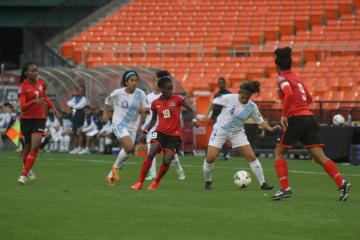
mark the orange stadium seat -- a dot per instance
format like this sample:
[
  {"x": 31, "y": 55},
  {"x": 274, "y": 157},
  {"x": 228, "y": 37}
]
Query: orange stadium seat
[{"x": 199, "y": 41}]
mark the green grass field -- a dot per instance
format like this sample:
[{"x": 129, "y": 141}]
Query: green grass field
[{"x": 70, "y": 200}]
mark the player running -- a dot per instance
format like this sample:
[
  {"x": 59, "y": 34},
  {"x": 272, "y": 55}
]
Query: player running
[
  {"x": 298, "y": 123},
  {"x": 150, "y": 98},
  {"x": 33, "y": 101},
  {"x": 129, "y": 103},
  {"x": 167, "y": 136},
  {"x": 236, "y": 109}
]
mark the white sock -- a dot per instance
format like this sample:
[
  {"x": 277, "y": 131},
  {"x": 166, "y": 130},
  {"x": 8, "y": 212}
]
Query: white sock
[
  {"x": 257, "y": 170},
  {"x": 122, "y": 156},
  {"x": 102, "y": 145},
  {"x": 67, "y": 140},
  {"x": 208, "y": 168},
  {"x": 177, "y": 163},
  {"x": 152, "y": 170}
]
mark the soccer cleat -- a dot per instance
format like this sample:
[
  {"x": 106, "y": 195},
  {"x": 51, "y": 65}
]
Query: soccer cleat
[
  {"x": 153, "y": 185},
  {"x": 109, "y": 181},
  {"x": 266, "y": 186},
  {"x": 75, "y": 151},
  {"x": 22, "y": 180},
  {"x": 150, "y": 177},
  {"x": 344, "y": 191},
  {"x": 137, "y": 186},
  {"x": 208, "y": 185},
  {"x": 84, "y": 151},
  {"x": 181, "y": 175},
  {"x": 31, "y": 175},
  {"x": 115, "y": 173},
  {"x": 282, "y": 194}
]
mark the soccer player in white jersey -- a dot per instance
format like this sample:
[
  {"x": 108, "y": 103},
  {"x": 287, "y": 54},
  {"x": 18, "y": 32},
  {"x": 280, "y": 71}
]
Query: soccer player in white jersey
[
  {"x": 150, "y": 98},
  {"x": 130, "y": 109},
  {"x": 236, "y": 109}
]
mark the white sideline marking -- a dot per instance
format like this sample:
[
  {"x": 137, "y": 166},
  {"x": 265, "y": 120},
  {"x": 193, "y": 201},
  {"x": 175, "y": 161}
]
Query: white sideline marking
[{"x": 185, "y": 165}]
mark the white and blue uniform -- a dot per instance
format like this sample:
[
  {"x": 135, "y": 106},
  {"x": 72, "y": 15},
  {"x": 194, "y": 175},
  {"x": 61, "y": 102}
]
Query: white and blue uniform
[
  {"x": 149, "y": 99},
  {"x": 126, "y": 117},
  {"x": 230, "y": 123}
]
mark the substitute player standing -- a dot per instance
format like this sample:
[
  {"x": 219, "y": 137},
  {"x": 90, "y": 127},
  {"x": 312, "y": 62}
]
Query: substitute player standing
[
  {"x": 167, "y": 136},
  {"x": 298, "y": 124},
  {"x": 32, "y": 99},
  {"x": 130, "y": 106},
  {"x": 150, "y": 98},
  {"x": 236, "y": 109}
]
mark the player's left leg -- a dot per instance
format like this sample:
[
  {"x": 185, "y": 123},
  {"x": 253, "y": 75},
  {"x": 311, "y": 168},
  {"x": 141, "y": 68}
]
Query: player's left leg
[
  {"x": 179, "y": 170},
  {"x": 255, "y": 165},
  {"x": 126, "y": 140},
  {"x": 333, "y": 172}
]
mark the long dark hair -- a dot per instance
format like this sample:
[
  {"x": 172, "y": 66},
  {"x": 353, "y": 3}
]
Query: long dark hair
[
  {"x": 23, "y": 70},
  {"x": 283, "y": 58},
  {"x": 250, "y": 87},
  {"x": 126, "y": 77}
]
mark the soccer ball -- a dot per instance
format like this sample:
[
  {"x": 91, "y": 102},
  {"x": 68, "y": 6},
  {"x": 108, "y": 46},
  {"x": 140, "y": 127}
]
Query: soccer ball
[
  {"x": 338, "y": 120},
  {"x": 242, "y": 179}
]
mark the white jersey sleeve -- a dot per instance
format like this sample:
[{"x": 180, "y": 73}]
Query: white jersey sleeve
[
  {"x": 256, "y": 115},
  {"x": 223, "y": 100}
]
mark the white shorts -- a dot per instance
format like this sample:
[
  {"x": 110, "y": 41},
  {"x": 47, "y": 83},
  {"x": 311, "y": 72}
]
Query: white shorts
[
  {"x": 92, "y": 133},
  {"x": 218, "y": 138},
  {"x": 121, "y": 132}
]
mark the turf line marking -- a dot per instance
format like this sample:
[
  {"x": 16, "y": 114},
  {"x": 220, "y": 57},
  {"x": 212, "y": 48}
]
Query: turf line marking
[{"x": 185, "y": 165}]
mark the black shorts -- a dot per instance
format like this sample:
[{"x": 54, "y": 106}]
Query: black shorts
[
  {"x": 30, "y": 126},
  {"x": 301, "y": 128},
  {"x": 167, "y": 142}
]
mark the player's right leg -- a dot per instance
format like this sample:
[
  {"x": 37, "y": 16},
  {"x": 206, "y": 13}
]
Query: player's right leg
[
  {"x": 216, "y": 141},
  {"x": 152, "y": 171},
  {"x": 126, "y": 140},
  {"x": 154, "y": 149}
]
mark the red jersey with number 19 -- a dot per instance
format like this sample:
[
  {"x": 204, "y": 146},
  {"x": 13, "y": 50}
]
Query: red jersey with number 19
[
  {"x": 27, "y": 93},
  {"x": 168, "y": 112},
  {"x": 294, "y": 95}
]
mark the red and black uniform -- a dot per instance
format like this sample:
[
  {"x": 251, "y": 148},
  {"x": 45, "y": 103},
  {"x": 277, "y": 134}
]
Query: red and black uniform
[
  {"x": 33, "y": 115},
  {"x": 302, "y": 125},
  {"x": 168, "y": 131}
]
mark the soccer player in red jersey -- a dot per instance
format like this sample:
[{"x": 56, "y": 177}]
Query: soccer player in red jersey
[
  {"x": 298, "y": 123},
  {"x": 167, "y": 136},
  {"x": 32, "y": 99}
]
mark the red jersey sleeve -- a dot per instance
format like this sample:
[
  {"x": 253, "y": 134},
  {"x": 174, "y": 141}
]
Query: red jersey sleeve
[
  {"x": 180, "y": 100},
  {"x": 22, "y": 98},
  {"x": 285, "y": 91},
  {"x": 153, "y": 108}
]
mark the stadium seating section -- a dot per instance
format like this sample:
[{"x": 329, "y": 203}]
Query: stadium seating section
[{"x": 201, "y": 40}]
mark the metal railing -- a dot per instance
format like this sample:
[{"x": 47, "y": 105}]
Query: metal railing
[{"x": 321, "y": 51}]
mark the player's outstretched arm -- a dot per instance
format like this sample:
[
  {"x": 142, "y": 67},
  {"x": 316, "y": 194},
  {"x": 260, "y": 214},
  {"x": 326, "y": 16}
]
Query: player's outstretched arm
[
  {"x": 106, "y": 113},
  {"x": 186, "y": 104},
  {"x": 269, "y": 128}
]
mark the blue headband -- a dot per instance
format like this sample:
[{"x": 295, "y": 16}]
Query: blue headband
[{"x": 128, "y": 75}]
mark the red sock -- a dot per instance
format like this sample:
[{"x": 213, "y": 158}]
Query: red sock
[
  {"x": 333, "y": 172},
  {"x": 162, "y": 171},
  {"x": 23, "y": 156},
  {"x": 30, "y": 159},
  {"x": 146, "y": 165},
  {"x": 282, "y": 173}
]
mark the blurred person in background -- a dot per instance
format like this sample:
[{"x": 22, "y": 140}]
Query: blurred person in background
[{"x": 77, "y": 104}]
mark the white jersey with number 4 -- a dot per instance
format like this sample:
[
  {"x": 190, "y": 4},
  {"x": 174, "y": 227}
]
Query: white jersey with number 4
[
  {"x": 234, "y": 114},
  {"x": 126, "y": 108}
]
